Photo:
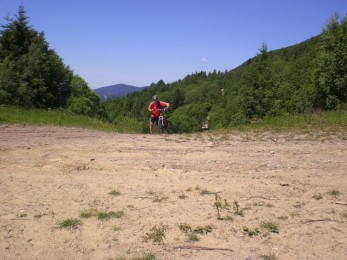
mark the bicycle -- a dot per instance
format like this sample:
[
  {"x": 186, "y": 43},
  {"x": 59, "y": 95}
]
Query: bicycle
[{"x": 163, "y": 123}]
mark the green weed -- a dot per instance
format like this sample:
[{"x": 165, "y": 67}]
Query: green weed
[
  {"x": 251, "y": 232},
  {"x": 156, "y": 234},
  {"x": 114, "y": 193},
  {"x": 70, "y": 223},
  {"x": 270, "y": 226},
  {"x": 104, "y": 215}
]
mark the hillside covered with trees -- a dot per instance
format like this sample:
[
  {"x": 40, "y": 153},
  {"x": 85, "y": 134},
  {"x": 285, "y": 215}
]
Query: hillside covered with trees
[{"x": 302, "y": 79}]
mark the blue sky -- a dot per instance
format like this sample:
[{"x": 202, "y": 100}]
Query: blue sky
[{"x": 139, "y": 42}]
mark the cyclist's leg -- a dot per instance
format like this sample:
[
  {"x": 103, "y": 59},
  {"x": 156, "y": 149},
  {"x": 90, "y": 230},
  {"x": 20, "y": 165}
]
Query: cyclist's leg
[{"x": 151, "y": 122}]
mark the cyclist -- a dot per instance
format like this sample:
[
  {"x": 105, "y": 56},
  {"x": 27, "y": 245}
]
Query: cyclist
[{"x": 154, "y": 107}]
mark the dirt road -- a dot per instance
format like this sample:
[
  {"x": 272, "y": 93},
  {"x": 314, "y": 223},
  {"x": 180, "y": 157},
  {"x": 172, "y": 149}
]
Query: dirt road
[{"x": 69, "y": 193}]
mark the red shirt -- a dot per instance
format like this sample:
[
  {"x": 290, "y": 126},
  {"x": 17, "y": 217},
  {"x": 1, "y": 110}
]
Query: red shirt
[{"x": 154, "y": 107}]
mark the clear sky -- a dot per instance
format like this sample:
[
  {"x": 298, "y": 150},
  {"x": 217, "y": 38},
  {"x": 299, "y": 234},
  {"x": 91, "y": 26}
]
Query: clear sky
[{"x": 139, "y": 42}]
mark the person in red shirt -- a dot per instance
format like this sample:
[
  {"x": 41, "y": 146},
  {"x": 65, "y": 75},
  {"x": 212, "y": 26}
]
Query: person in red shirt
[{"x": 154, "y": 107}]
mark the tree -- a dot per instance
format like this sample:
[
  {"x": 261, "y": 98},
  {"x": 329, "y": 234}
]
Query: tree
[
  {"x": 331, "y": 76},
  {"x": 32, "y": 74}
]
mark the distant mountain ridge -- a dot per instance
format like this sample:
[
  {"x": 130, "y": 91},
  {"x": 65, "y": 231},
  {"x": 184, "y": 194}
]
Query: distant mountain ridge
[{"x": 117, "y": 90}]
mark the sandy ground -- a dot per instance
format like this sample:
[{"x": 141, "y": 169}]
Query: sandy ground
[{"x": 294, "y": 182}]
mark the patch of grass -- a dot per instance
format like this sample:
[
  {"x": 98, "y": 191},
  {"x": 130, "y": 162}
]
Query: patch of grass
[
  {"x": 237, "y": 209},
  {"x": 192, "y": 233},
  {"x": 114, "y": 193},
  {"x": 185, "y": 228},
  {"x": 160, "y": 199},
  {"x": 283, "y": 217},
  {"x": 268, "y": 257},
  {"x": 318, "y": 196},
  {"x": 87, "y": 213},
  {"x": 197, "y": 187},
  {"x": 40, "y": 215},
  {"x": 189, "y": 189},
  {"x": 299, "y": 204},
  {"x": 71, "y": 223},
  {"x": 205, "y": 192},
  {"x": 251, "y": 231},
  {"x": 116, "y": 228},
  {"x": 193, "y": 237},
  {"x": 182, "y": 196},
  {"x": 203, "y": 230},
  {"x": 104, "y": 215},
  {"x": 270, "y": 226},
  {"x": 344, "y": 214},
  {"x": 146, "y": 257},
  {"x": 156, "y": 234},
  {"x": 150, "y": 193},
  {"x": 220, "y": 206},
  {"x": 334, "y": 193}
]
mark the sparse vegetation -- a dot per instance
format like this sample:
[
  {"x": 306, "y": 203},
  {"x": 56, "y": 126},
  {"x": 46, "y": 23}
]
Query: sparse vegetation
[
  {"x": 251, "y": 231},
  {"x": 283, "y": 217},
  {"x": 114, "y": 193},
  {"x": 156, "y": 234},
  {"x": 237, "y": 209},
  {"x": 318, "y": 196},
  {"x": 71, "y": 223},
  {"x": 270, "y": 226},
  {"x": 334, "y": 192},
  {"x": 106, "y": 215},
  {"x": 192, "y": 233},
  {"x": 87, "y": 213},
  {"x": 220, "y": 206}
]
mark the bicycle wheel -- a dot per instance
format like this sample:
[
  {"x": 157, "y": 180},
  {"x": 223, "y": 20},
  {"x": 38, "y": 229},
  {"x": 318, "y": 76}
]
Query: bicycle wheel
[
  {"x": 169, "y": 127},
  {"x": 160, "y": 126}
]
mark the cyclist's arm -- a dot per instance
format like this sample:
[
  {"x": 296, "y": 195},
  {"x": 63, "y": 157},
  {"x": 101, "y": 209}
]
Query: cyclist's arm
[
  {"x": 164, "y": 104},
  {"x": 150, "y": 107}
]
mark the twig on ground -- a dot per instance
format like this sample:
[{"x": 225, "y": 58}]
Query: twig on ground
[
  {"x": 258, "y": 197},
  {"x": 204, "y": 248},
  {"x": 320, "y": 220}
]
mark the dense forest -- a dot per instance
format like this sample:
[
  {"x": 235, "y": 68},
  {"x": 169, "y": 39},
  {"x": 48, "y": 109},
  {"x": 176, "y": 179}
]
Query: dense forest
[{"x": 305, "y": 78}]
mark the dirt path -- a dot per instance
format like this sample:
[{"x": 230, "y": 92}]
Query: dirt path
[{"x": 294, "y": 183}]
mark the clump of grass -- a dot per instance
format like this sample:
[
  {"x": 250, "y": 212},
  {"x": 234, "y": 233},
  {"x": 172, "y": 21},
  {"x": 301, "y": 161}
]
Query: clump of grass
[
  {"x": 203, "y": 230},
  {"x": 182, "y": 196},
  {"x": 38, "y": 216},
  {"x": 87, "y": 213},
  {"x": 159, "y": 199},
  {"x": 268, "y": 257},
  {"x": 71, "y": 223},
  {"x": 334, "y": 193},
  {"x": 104, "y": 215},
  {"x": 205, "y": 192},
  {"x": 220, "y": 206},
  {"x": 189, "y": 189},
  {"x": 344, "y": 214},
  {"x": 144, "y": 257},
  {"x": 251, "y": 231},
  {"x": 272, "y": 227},
  {"x": 115, "y": 193},
  {"x": 185, "y": 228},
  {"x": 192, "y": 233},
  {"x": 156, "y": 234},
  {"x": 283, "y": 217},
  {"x": 237, "y": 209},
  {"x": 116, "y": 228},
  {"x": 193, "y": 237},
  {"x": 318, "y": 196}
]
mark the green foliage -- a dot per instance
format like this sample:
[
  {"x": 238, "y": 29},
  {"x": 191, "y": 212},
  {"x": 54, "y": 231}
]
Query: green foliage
[{"x": 33, "y": 76}]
